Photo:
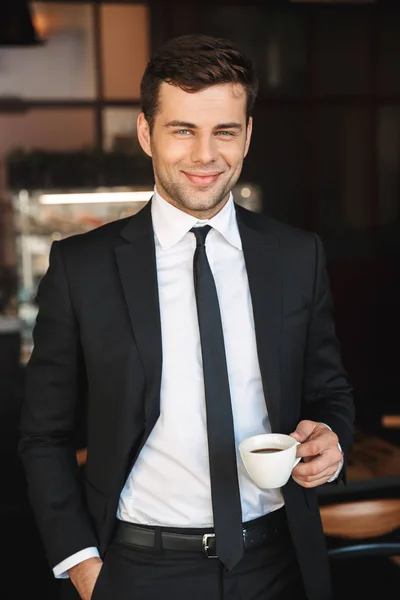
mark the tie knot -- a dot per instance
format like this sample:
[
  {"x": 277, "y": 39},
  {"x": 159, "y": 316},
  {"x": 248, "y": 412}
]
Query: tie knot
[{"x": 201, "y": 234}]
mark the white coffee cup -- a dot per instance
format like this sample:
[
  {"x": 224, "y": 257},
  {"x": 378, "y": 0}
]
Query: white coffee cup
[{"x": 272, "y": 469}]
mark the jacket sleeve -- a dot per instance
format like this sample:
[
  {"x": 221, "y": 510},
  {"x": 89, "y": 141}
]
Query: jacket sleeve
[
  {"x": 327, "y": 393},
  {"x": 55, "y": 387}
]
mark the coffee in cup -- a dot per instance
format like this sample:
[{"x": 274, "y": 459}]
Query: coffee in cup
[{"x": 269, "y": 458}]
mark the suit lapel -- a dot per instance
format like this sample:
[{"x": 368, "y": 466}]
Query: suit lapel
[
  {"x": 138, "y": 273},
  {"x": 260, "y": 249},
  {"x": 137, "y": 269}
]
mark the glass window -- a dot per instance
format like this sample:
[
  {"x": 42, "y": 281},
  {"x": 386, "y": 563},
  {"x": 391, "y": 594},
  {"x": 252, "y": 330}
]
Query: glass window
[
  {"x": 343, "y": 185},
  {"x": 125, "y": 49},
  {"x": 273, "y": 37},
  {"x": 389, "y": 51},
  {"x": 47, "y": 128},
  {"x": 42, "y": 130},
  {"x": 276, "y": 161},
  {"x": 342, "y": 50},
  {"x": 63, "y": 66},
  {"x": 119, "y": 126},
  {"x": 389, "y": 165}
]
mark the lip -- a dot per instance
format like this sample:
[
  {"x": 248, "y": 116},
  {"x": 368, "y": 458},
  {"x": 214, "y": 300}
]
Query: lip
[{"x": 202, "y": 179}]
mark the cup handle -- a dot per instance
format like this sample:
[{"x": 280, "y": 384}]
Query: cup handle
[{"x": 296, "y": 460}]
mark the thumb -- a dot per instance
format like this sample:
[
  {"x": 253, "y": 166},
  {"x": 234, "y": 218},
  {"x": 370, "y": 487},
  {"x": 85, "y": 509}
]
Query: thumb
[{"x": 303, "y": 430}]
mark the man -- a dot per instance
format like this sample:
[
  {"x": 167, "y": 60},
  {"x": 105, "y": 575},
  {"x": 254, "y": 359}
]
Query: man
[{"x": 183, "y": 330}]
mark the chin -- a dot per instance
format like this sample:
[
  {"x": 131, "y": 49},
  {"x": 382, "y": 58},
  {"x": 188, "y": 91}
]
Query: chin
[{"x": 203, "y": 206}]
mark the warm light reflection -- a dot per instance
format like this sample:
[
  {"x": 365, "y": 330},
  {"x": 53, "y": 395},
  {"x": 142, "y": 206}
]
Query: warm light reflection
[
  {"x": 95, "y": 197},
  {"x": 42, "y": 24}
]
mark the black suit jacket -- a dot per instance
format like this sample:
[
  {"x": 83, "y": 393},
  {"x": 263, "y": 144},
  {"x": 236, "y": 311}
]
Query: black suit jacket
[{"x": 97, "y": 348}]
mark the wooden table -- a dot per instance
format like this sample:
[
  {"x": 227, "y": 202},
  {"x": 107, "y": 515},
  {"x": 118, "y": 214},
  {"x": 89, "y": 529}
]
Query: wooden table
[
  {"x": 371, "y": 457},
  {"x": 371, "y": 462}
]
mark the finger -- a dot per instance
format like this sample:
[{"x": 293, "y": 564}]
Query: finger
[
  {"x": 323, "y": 478},
  {"x": 304, "y": 429},
  {"x": 321, "y": 441},
  {"x": 315, "y": 467},
  {"x": 312, "y": 467},
  {"x": 312, "y": 447},
  {"x": 325, "y": 474}
]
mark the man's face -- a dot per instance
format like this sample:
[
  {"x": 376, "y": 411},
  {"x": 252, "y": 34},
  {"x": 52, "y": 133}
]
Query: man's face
[{"x": 197, "y": 144}]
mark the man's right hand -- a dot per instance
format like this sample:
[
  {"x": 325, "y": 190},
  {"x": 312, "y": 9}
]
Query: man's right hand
[{"x": 84, "y": 576}]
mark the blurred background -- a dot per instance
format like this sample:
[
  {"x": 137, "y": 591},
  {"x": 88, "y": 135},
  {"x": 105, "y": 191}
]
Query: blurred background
[{"x": 325, "y": 157}]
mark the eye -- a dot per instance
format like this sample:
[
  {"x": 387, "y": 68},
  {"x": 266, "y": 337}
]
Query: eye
[
  {"x": 225, "y": 133},
  {"x": 184, "y": 132}
]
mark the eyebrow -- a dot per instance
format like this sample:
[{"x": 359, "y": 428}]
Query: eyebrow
[{"x": 185, "y": 124}]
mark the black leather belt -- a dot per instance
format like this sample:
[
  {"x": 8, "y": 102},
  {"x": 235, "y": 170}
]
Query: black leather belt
[{"x": 255, "y": 533}]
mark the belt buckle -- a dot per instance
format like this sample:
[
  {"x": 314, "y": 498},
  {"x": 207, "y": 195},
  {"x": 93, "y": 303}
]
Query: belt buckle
[{"x": 206, "y": 546}]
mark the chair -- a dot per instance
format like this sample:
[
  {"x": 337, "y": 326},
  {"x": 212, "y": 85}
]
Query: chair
[
  {"x": 363, "y": 518},
  {"x": 364, "y": 522}
]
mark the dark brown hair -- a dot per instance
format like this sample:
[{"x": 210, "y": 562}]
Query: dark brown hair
[{"x": 195, "y": 62}]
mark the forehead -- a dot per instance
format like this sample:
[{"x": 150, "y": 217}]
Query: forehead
[{"x": 217, "y": 103}]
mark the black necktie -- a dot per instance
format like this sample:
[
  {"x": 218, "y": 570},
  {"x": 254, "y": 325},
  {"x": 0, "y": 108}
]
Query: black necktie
[{"x": 225, "y": 493}]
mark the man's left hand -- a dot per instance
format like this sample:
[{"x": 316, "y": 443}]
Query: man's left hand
[{"x": 320, "y": 453}]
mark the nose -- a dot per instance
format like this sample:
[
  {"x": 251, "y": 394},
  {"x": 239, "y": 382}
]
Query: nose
[{"x": 204, "y": 150}]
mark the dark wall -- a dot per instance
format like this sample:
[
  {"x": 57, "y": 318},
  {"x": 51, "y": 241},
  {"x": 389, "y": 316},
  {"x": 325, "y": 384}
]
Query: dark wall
[{"x": 326, "y": 154}]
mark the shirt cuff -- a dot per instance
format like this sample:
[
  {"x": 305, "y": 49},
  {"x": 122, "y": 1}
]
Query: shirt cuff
[
  {"x": 335, "y": 475},
  {"x": 61, "y": 570}
]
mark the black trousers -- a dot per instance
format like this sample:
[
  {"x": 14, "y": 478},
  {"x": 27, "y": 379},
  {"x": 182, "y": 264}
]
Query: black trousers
[{"x": 269, "y": 572}]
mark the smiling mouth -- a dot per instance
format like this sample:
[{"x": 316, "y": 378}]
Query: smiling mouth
[{"x": 202, "y": 180}]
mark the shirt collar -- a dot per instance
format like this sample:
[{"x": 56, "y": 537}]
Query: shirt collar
[{"x": 171, "y": 224}]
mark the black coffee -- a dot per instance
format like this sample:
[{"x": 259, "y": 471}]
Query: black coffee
[{"x": 266, "y": 450}]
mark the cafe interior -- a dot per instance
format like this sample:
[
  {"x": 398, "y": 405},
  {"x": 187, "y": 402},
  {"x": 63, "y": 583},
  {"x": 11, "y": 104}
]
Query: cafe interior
[{"x": 325, "y": 157}]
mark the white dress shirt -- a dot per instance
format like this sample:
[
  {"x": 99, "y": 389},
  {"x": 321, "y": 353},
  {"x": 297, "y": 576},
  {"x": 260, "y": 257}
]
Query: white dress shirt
[{"x": 170, "y": 482}]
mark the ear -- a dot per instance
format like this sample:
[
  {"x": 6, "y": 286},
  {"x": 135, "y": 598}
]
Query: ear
[
  {"x": 143, "y": 133},
  {"x": 248, "y": 135}
]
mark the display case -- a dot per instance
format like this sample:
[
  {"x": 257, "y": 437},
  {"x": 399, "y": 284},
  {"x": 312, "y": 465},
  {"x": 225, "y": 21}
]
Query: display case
[{"x": 44, "y": 216}]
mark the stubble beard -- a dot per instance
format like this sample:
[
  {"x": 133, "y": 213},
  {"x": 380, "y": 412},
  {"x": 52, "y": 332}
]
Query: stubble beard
[
  {"x": 202, "y": 200},
  {"x": 205, "y": 200}
]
